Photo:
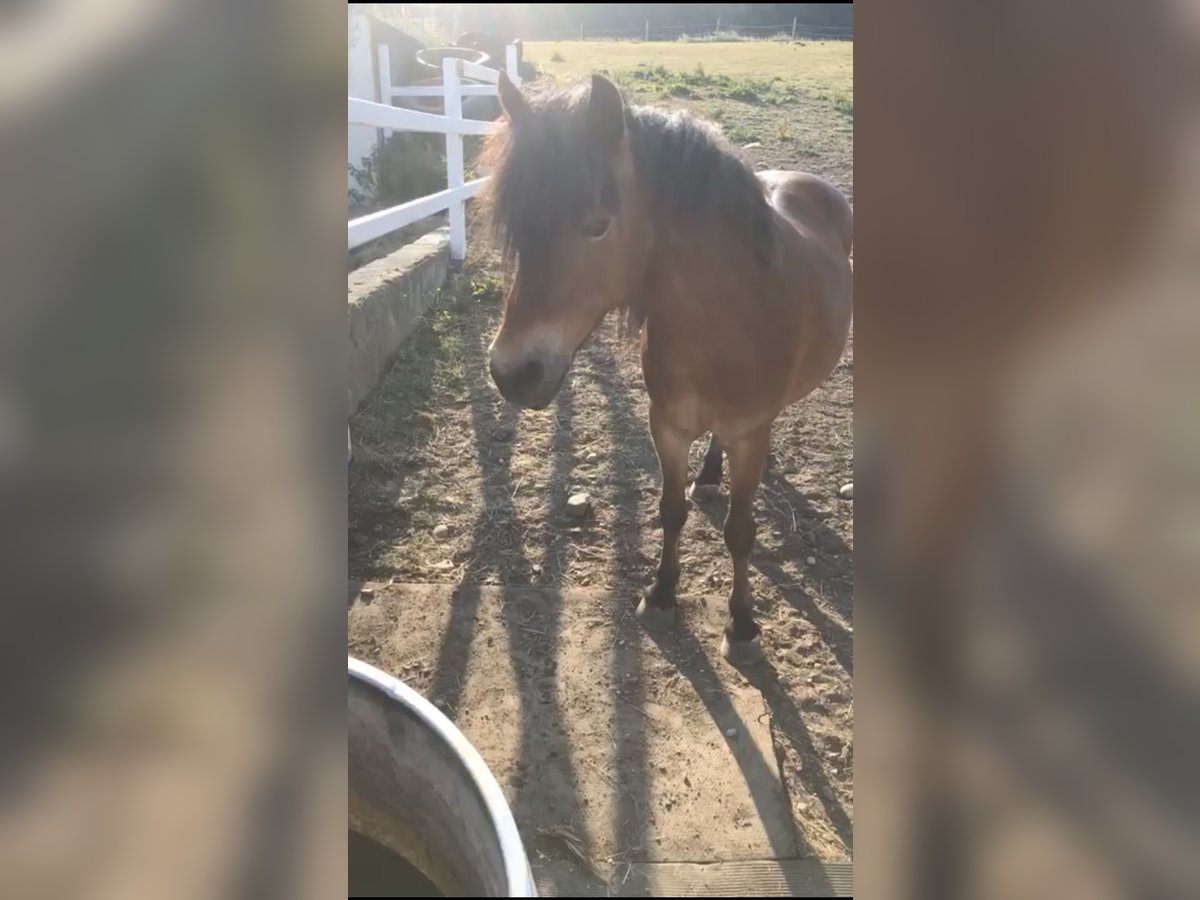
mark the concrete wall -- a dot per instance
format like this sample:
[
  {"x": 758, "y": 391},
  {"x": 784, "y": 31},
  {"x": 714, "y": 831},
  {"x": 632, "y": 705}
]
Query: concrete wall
[{"x": 386, "y": 300}]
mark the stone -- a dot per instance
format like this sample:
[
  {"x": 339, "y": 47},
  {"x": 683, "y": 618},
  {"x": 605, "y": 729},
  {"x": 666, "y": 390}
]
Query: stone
[
  {"x": 811, "y": 560},
  {"x": 846, "y": 491},
  {"x": 441, "y": 532},
  {"x": 385, "y": 302},
  {"x": 578, "y": 505},
  {"x": 366, "y": 594}
]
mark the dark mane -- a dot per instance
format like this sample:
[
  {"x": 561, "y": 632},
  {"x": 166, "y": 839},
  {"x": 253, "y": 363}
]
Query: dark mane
[
  {"x": 692, "y": 175},
  {"x": 548, "y": 176}
]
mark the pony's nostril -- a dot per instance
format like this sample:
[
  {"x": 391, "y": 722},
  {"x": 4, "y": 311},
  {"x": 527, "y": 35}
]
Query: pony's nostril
[
  {"x": 518, "y": 381},
  {"x": 529, "y": 375}
]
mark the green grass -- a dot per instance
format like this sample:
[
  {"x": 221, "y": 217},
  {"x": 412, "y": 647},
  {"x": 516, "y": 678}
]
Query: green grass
[
  {"x": 796, "y": 100},
  {"x": 703, "y": 84},
  {"x": 757, "y": 70},
  {"x": 718, "y": 37},
  {"x": 741, "y": 134}
]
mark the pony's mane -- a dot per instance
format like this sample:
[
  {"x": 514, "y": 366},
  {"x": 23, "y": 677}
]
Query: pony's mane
[
  {"x": 692, "y": 175},
  {"x": 549, "y": 175}
]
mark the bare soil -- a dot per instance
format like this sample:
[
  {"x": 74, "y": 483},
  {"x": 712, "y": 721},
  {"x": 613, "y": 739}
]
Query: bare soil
[{"x": 437, "y": 446}]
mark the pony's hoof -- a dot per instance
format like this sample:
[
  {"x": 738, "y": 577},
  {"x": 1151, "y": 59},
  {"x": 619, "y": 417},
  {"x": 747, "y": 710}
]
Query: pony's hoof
[
  {"x": 655, "y": 618},
  {"x": 742, "y": 653},
  {"x": 703, "y": 491}
]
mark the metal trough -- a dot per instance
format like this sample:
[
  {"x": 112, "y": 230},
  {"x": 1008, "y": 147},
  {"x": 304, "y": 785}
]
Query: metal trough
[{"x": 419, "y": 789}]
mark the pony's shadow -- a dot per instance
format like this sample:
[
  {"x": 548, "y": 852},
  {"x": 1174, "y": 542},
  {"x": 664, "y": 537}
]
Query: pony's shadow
[
  {"x": 790, "y": 723},
  {"x": 798, "y": 544},
  {"x": 681, "y": 648}
]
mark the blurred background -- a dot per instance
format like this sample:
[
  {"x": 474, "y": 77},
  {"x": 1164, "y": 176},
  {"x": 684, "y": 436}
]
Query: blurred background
[
  {"x": 171, "y": 409},
  {"x": 172, "y": 493},
  {"x": 1026, "y": 440}
]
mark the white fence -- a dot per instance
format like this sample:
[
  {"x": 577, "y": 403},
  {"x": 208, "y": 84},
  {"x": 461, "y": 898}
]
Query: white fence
[{"x": 451, "y": 124}]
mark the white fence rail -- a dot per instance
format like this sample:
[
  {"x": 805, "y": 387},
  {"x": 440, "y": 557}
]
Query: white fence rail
[
  {"x": 397, "y": 118},
  {"x": 451, "y": 124}
]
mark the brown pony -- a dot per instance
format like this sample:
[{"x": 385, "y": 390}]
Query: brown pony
[{"x": 738, "y": 284}]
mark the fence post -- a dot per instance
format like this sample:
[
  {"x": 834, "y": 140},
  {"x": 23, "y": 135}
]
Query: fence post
[
  {"x": 794, "y": 27},
  {"x": 581, "y": 31},
  {"x": 718, "y": 31},
  {"x": 647, "y": 37},
  {"x": 511, "y": 65},
  {"x": 385, "y": 82},
  {"x": 452, "y": 84},
  {"x": 361, "y": 140}
]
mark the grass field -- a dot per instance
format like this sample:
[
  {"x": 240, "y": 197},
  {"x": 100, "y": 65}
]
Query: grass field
[
  {"x": 795, "y": 100},
  {"x": 820, "y": 68}
]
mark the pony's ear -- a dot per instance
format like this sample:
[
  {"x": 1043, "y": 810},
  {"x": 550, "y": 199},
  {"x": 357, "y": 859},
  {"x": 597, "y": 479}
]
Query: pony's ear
[
  {"x": 512, "y": 101},
  {"x": 606, "y": 112}
]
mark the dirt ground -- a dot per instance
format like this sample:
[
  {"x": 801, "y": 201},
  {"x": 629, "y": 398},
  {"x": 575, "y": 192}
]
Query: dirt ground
[
  {"x": 438, "y": 448},
  {"x": 451, "y": 486}
]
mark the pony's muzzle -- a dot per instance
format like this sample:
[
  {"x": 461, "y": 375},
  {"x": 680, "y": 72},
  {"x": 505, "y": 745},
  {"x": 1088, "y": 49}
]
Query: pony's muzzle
[{"x": 530, "y": 383}]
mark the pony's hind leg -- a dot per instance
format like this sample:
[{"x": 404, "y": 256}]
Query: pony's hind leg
[
  {"x": 742, "y": 643},
  {"x": 657, "y": 608},
  {"x": 708, "y": 479}
]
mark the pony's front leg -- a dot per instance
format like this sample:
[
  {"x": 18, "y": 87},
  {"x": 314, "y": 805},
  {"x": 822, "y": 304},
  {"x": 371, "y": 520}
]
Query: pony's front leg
[{"x": 657, "y": 608}]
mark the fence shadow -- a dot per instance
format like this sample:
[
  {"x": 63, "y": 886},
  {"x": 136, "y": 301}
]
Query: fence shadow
[
  {"x": 503, "y": 548},
  {"x": 632, "y": 793},
  {"x": 789, "y": 724},
  {"x": 497, "y": 547}
]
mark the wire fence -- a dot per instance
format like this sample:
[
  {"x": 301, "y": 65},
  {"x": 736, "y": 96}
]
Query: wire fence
[
  {"x": 435, "y": 30},
  {"x": 713, "y": 31}
]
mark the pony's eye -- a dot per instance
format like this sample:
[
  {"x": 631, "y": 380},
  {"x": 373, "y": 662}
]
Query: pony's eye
[{"x": 596, "y": 227}]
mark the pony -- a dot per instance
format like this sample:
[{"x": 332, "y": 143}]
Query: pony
[{"x": 737, "y": 284}]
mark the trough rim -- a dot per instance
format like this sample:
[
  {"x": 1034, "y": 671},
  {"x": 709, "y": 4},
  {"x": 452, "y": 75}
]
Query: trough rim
[{"x": 517, "y": 873}]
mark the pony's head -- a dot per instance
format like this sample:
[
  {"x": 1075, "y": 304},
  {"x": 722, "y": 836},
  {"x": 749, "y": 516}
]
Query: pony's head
[{"x": 567, "y": 209}]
